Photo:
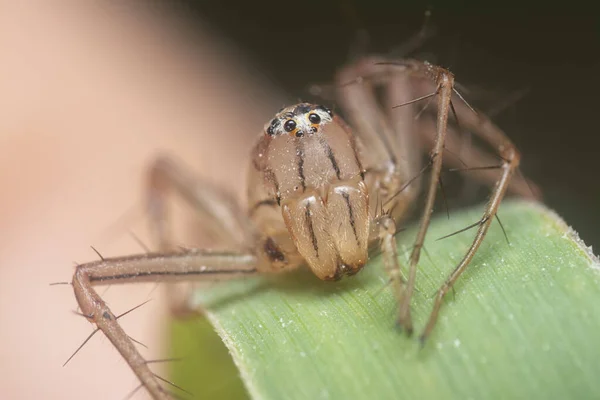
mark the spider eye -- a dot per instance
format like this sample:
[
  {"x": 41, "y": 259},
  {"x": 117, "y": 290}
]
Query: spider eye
[
  {"x": 314, "y": 118},
  {"x": 289, "y": 125}
]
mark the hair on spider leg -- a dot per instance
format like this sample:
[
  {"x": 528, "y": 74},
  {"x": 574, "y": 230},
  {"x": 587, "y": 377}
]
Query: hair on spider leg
[
  {"x": 410, "y": 181},
  {"x": 101, "y": 258},
  {"x": 82, "y": 314},
  {"x": 455, "y": 85},
  {"x": 133, "y": 309},
  {"x": 164, "y": 360},
  {"x": 460, "y": 96},
  {"x": 423, "y": 109},
  {"x": 133, "y": 392},
  {"x": 481, "y": 221},
  {"x": 502, "y": 227},
  {"x": 97, "y": 329},
  {"x": 175, "y": 395},
  {"x": 488, "y": 167},
  {"x": 172, "y": 394},
  {"x": 427, "y": 96},
  {"x": 97, "y": 252},
  {"x": 81, "y": 345},
  {"x": 172, "y": 384},
  {"x": 137, "y": 341},
  {"x": 454, "y": 114},
  {"x": 446, "y": 149}
]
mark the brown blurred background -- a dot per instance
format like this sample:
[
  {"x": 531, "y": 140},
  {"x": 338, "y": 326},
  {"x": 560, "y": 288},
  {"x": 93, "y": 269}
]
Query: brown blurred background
[{"x": 90, "y": 92}]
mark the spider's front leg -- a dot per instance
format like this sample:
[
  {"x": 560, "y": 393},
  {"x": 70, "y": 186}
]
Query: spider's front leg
[
  {"x": 486, "y": 130},
  {"x": 227, "y": 223},
  {"x": 423, "y": 81},
  {"x": 160, "y": 267}
]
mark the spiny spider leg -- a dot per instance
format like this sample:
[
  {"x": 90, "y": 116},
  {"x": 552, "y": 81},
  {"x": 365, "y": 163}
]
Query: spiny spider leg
[
  {"x": 483, "y": 127},
  {"x": 474, "y": 162},
  {"x": 167, "y": 267},
  {"x": 426, "y": 80},
  {"x": 227, "y": 223},
  {"x": 443, "y": 80}
]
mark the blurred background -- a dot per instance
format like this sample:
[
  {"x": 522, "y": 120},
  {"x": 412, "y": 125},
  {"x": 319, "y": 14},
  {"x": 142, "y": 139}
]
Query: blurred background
[
  {"x": 91, "y": 92},
  {"x": 548, "y": 57}
]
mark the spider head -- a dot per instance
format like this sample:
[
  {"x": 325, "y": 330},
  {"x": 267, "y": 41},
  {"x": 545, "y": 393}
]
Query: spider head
[{"x": 303, "y": 119}]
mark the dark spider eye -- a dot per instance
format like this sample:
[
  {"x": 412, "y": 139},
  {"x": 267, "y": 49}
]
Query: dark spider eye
[
  {"x": 314, "y": 118},
  {"x": 289, "y": 125}
]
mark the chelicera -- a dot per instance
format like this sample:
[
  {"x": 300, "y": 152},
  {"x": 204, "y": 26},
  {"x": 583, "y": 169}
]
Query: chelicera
[{"x": 322, "y": 193}]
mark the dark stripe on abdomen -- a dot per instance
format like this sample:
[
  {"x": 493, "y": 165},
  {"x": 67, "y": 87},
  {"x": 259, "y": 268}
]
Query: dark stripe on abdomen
[
  {"x": 351, "y": 215},
  {"x": 311, "y": 230}
]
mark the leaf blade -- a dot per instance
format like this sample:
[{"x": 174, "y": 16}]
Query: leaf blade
[{"x": 521, "y": 324}]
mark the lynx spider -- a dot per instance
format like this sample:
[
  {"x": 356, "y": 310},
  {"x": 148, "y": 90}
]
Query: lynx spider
[{"x": 316, "y": 194}]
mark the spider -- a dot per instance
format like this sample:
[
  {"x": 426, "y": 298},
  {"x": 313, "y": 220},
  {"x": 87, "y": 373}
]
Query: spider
[{"x": 321, "y": 194}]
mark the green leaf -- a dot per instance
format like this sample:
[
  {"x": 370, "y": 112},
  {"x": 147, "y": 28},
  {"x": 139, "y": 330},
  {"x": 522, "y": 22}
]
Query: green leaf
[{"x": 524, "y": 323}]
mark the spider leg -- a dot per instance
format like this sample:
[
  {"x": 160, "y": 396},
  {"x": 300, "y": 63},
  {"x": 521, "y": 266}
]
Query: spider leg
[
  {"x": 472, "y": 161},
  {"x": 385, "y": 230},
  {"x": 485, "y": 129},
  {"x": 222, "y": 217},
  {"x": 384, "y": 137},
  {"x": 442, "y": 84},
  {"x": 227, "y": 222},
  {"x": 158, "y": 267},
  {"x": 424, "y": 81}
]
